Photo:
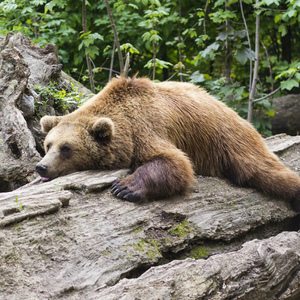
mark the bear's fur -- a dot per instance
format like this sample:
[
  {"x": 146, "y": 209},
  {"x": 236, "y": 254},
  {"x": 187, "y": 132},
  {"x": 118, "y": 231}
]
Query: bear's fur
[{"x": 165, "y": 132}]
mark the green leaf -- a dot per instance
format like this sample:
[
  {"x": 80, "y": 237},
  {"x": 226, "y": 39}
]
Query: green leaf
[
  {"x": 133, "y": 6},
  {"x": 38, "y": 2},
  {"x": 96, "y": 36},
  {"x": 271, "y": 112},
  {"x": 209, "y": 51},
  {"x": 242, "y": 55},
  {"x": 93, "y": 51},
  {"x": 128, "y": 47},
  {"x": 155, "y": 37},
  {"x": 277, "y": 18},
  {"x": 26, "y": 10},
  {"x": 286, "y": 73},
  {"x": 146, "y": 36},
  {"x": 292, "y": 13},
  {"x": 221, "y": 15},
  {"x": 196, "y": 77},
  {"x": 84, "y": 34},
  {"x": 158, "y": 63},
  {"x": 270, "y": 2},
  {"x": 219, "y": 3},
  {"x": 296, "y": 4},
  {"x": 289, "y": 84},
  {"x": 49, "y": 6},
  {"x": 297, "y": 76},
  {"x": 282, "y": 29}
]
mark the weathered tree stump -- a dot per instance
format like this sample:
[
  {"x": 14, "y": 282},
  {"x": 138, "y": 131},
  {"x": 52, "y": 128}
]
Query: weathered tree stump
[
  {"x": 17, "y": 145},
  {"x": 23, "y": 66}
]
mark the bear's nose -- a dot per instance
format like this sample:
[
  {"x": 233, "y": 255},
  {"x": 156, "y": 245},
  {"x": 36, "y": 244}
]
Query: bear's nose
[{"x": 41, "y": 169}]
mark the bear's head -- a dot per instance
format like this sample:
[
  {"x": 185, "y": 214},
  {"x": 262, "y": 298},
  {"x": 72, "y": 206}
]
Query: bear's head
[{"x": 76, "y": 145}]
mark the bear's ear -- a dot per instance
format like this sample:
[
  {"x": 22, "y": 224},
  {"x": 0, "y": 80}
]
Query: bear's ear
[
  {"x": 103, "y": 129},
  {"x": 48, "y": 122}
]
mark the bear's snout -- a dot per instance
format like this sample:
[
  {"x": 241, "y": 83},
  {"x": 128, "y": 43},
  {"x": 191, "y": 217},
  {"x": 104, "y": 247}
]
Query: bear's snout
[{"x": 42, "y": 169}]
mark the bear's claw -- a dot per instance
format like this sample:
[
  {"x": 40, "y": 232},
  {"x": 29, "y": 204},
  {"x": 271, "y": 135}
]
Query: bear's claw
[
  {"x": 123, "y": 192},
  {"x": 115, "y": 183},
  {"x": 132, "y": 197},
  {"x": 115, "y": 188}
]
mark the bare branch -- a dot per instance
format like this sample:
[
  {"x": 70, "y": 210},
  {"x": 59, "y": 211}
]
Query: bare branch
[
  {"x": 172, "y": 76},
  {"x": 255, "y": 72},
  {"x": 249, "y": 43},
  {"x": 126, "y": 67},
  {"x": 113, "y": 25},
  {"x": 179, "y": 40},
  {"x": 228, "y": 56},
  {"x": 270, "y": 67},
  {"x": 272, "y": 93},
  {"x": 154, "y": 48},
  {"x": 88, "y": 59},
  {"x": 112, "y": 61},
  {"x": 204, "y": 18},
  {"x": 254, "y": 76}
]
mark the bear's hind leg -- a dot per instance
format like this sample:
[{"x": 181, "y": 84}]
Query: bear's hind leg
[{"x": 165, "y": 174}]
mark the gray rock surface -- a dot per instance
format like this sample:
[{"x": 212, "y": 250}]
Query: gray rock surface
[
  {"x": 71, "y": 239},
  {"x": 287, "y": 118}
]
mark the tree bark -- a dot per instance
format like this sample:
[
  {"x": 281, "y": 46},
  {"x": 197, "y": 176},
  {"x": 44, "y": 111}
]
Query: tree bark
[
  {"x": 228, "y": 57},
  {"x": 153, "y": 49},
  {"x": 88, "y": 59},
  {"x": 112, "y": 61},
  {"x": 179, "y": 41},
  {"x": 113, "y": 25},
  {"x": 24, "y": 66},
  {"x": 255, "y": 71}
]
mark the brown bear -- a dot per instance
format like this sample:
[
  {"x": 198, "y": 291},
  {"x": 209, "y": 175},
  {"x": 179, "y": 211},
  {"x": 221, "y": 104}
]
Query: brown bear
[{"x": 164, "y": 132}]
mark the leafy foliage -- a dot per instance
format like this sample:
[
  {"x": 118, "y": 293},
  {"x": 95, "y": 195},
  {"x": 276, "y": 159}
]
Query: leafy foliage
[
  {"x": 59, "y": 98},
  {"x": 205, "y": 42}
]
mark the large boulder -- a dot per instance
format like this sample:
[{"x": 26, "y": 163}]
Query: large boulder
[{"x": 287, "y": 117}]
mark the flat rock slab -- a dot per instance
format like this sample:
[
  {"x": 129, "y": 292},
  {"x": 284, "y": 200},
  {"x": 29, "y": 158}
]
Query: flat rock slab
[{"x": 72, "y": 239}]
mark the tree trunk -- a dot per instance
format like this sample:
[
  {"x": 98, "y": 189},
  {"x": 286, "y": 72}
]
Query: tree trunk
[
  {"x": 117, "y": 42},
  {"x": 255, "y": 71},
  {"x": 88, "y": 59},
  {"x": 228, "y": 57}
]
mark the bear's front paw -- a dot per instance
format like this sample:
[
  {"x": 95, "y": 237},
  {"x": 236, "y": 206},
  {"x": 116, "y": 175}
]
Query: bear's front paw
[{"x": 124, "y": 189}]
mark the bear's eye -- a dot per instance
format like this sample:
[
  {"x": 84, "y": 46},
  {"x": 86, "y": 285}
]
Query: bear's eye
[
  {"x": 48, "y": 146},
  {"x": 65, "y": 149}
]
